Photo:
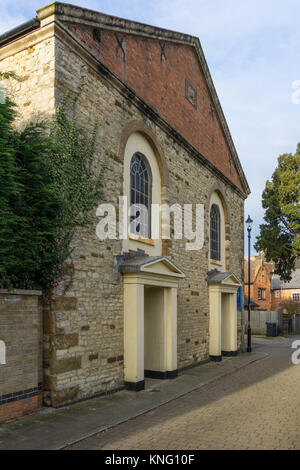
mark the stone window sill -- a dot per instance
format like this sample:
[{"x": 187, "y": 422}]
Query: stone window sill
[
  {"x": 137, "y": 238},
  {"x": 216, "y": 262}
]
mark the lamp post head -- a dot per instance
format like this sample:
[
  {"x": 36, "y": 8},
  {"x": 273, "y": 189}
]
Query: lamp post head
[{"x": 249, "y": 223}]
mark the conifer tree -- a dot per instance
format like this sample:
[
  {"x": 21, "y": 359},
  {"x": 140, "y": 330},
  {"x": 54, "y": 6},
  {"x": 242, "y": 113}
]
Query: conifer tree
[
  {"x": 9, "y": 221},
  {"x": 48, "y": 188}
]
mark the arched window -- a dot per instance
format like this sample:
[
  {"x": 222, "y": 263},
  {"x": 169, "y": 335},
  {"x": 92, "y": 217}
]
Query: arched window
[
  {"x": 215, "y": 236},
  {"x": 140, "y": 193}
]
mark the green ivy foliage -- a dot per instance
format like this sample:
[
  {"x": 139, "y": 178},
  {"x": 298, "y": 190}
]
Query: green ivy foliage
[
  {"x": 75, "y": 177},
  {"x": 48, "y": 188}
]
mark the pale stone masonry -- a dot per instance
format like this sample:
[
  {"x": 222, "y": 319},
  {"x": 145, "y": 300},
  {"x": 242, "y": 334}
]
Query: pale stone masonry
[{"x": 84, "y": 329}]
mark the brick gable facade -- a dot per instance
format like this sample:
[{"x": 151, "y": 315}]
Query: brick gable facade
[
  {"x": 163, "y": 73},
  {"x": 260, "y": 281}
]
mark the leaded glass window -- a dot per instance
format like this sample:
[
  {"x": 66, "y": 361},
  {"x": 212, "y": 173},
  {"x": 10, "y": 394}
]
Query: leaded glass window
[
  {"x": 140, "y": 193},
  {"x": 215, "y": 227}
]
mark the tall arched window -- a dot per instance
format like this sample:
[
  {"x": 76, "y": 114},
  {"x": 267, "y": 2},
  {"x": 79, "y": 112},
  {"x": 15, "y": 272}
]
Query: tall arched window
[
  {"x": 215, "y": 236},
  {"x": 140, "y": 193}
]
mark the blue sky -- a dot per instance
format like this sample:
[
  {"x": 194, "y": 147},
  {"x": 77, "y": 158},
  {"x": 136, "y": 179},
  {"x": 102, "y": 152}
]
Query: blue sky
[{"x": 253, "y": 52}]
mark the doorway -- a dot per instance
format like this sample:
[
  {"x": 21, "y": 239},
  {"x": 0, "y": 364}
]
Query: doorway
[
  {"x": 228, "y": 325},
  {"x": 150, "y": 319},
  {"x": 155, "y": 332},
  {"x": 223, "y": 328}
]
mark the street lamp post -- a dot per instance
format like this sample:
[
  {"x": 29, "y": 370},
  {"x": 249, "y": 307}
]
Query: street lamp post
[{"x": 249, "y": 222}]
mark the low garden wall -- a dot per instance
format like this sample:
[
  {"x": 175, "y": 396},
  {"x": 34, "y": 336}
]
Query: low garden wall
[{"x": 20, "y": 353}]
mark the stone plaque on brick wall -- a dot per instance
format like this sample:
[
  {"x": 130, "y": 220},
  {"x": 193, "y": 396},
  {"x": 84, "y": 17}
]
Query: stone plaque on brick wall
[
  {"x": 190, "y": 93},
  {"x": 20, "y": 353}
]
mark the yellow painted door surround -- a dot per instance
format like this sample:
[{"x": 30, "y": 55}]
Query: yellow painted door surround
[
  {"x": 223, "y": 314},
  {"x": 150, "y": 320}
]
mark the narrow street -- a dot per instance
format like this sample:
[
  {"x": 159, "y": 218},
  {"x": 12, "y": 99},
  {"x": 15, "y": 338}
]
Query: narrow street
[{"x": 256, "y": 407}]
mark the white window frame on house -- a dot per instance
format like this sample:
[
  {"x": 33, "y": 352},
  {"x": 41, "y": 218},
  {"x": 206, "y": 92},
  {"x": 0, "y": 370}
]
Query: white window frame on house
[
  {"x": 277, "y": 294},
  {"x": 295, "y": 294},
  {"x": 261, "y": 293}
]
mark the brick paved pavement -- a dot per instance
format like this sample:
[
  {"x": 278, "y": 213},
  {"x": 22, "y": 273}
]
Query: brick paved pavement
[{"x": 257, "y": 407}]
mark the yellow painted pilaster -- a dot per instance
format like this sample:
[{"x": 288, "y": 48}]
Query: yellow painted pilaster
[
  {"x": 215, "y": 321},
  {"x": 233, "y": 322},
  {"x": 171, "y": 328},
  {"x": 133, "y": 332}
]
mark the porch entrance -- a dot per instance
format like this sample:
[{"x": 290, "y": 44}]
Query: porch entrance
[
  {"x": 154, "y": 333},
  {"x": 228, "y": 324},
  {"x": 150, "y": 319},
  {"x": 223, "y": 314}
]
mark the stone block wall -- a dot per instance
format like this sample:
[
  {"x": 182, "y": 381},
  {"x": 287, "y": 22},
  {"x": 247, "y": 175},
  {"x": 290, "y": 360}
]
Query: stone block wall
[
  {"x": 83, "y": 328},
  {"x": 95, "y": 318},
  {"x": 21, "y": 332},
  {"x": 32, "y": 59},
  {"x": 160, "y": 72}
]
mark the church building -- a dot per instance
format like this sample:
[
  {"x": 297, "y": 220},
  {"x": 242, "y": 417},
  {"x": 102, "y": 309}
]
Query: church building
[{"x": 142, "y": 305}]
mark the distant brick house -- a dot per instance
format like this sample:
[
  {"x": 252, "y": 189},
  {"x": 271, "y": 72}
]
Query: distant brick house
[
  {"x": 260, "y": 282},
  {"x": 282, "y": 292}
]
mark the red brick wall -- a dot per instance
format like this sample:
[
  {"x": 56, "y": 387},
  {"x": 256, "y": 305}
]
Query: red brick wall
[
  {"x": 285, "y": 296},
  {"x": 246, "y": 293},
  {"x": 160, "y": 82},
  {"x": 18, "y": 409},
  {"x": 262, "y": 282},
  {"x": 275, "y": 301}
]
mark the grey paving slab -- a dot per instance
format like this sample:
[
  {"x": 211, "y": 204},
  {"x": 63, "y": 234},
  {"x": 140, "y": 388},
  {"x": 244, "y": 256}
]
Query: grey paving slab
[
  {"x": 57, "y": 428},
  {"x": 253, "y": 407}
]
